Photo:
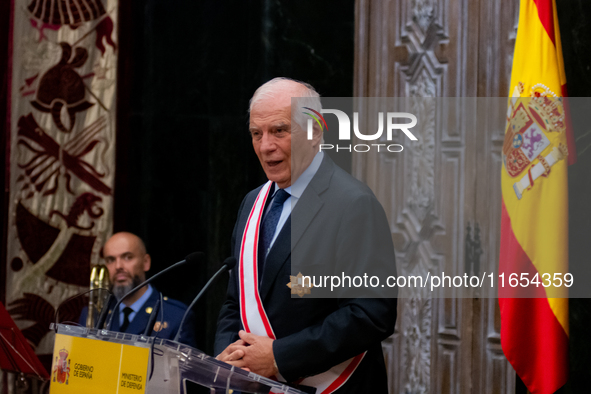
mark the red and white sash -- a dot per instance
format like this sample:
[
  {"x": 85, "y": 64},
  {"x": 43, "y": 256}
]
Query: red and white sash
[{"x": 253, "y": 315}]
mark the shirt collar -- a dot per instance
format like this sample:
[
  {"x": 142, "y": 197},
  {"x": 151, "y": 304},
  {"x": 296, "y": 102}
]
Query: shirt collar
[
  {"x": 302, "y": 182},
  {"x": 136, "y": 306}
]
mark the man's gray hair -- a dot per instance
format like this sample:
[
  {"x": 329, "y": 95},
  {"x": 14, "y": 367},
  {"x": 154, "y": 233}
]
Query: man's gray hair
[{"x": 309, "y": 98}]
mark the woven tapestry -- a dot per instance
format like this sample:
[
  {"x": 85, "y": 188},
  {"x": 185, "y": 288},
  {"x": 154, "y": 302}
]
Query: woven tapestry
[{"x": 62, "y": 80}]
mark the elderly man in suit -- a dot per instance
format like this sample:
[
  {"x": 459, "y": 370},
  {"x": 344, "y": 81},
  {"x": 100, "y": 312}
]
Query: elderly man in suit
[
  {"x": 313, "y": 212},
  {"x": 127, "y": 261}
]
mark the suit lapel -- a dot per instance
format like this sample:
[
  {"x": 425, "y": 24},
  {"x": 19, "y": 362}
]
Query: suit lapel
[
  {"x": 299, "y": 220},
  {"x": 115, "y": 323},
  {"x": 310, "y": 202}
]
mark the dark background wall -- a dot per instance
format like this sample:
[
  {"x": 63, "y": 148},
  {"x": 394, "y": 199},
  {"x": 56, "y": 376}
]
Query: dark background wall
[{"x": 575, "y": 29}]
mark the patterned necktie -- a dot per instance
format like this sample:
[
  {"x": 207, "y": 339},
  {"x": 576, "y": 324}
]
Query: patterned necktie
[
  {"x": 126, "y": 312},
  {"x": 268, "y": 227}
]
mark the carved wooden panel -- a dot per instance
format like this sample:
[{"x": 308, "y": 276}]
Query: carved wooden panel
[
  {"x": 498, "y": 20},
  {"x": 441, "y": 183}
]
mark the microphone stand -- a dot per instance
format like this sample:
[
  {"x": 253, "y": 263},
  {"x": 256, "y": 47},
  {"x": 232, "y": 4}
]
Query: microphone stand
[{"x": 229, "y": 263}]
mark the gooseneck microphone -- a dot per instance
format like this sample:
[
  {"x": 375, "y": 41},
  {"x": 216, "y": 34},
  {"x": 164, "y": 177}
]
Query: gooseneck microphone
[
  {"x": 229, "y": 263},
  {"x": 100, "y": 322},
  {"x": 192, "y": 258},
  {"x": 153, "y": 316}
]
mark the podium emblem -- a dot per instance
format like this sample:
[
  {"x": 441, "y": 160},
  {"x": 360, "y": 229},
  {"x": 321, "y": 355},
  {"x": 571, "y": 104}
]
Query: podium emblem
[{"x": 61, "y": 369}]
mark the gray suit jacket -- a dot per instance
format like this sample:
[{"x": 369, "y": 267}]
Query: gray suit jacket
[{"x": 337, "y": 225}]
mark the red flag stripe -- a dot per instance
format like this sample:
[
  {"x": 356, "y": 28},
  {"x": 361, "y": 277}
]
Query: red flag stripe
[
  {"x": 546, "y": 15},
  {"x": 532, "y": 338}
]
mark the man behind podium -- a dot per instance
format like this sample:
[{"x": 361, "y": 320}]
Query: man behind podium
[
  {"x": 333, "y": 345},
  {"x": 127, "y": 261}
]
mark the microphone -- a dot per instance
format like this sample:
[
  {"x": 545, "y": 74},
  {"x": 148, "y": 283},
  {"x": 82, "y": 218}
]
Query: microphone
[
  {"x": 192, "y": 258},
  {"x": 229, "y": 263},
  {"x": 150, "y": 326},
  {"x": 100, "y": 322}
]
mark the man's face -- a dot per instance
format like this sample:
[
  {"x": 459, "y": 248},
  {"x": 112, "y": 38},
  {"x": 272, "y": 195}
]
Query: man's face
[
  {"x": 126, "y": 261},
  {"x": 270, "y": 128},
  {"x": 272, "y": 136}
]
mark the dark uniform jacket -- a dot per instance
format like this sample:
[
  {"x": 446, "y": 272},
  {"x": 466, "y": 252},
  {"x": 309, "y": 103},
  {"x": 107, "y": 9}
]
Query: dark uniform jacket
[{"x": 173, "y": 313}]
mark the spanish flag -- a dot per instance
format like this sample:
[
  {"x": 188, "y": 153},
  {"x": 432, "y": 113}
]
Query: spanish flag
[{"x": 534, "y": 226}]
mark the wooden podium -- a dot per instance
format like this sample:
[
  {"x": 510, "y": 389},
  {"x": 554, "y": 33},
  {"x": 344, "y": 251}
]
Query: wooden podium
[{"x": 92, "y": 361}]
